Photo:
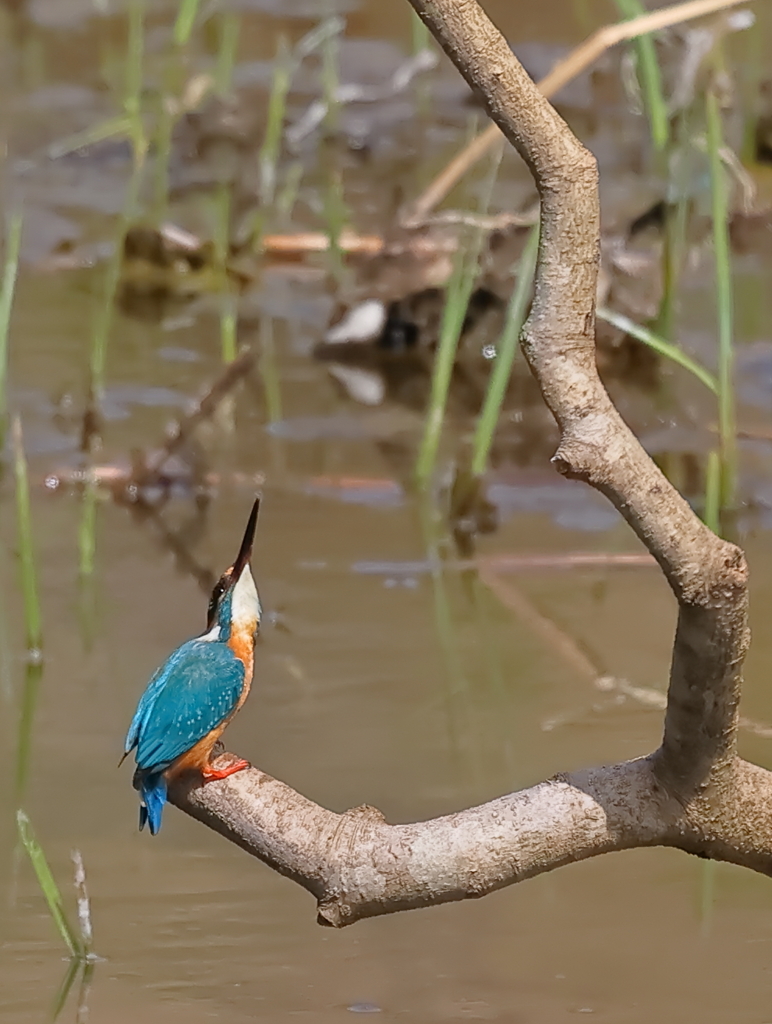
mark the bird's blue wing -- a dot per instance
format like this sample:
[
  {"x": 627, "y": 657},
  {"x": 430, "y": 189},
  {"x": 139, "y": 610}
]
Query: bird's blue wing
[
  {"x": 146, "y": 701},
  {"x": 197, "y": 688}
]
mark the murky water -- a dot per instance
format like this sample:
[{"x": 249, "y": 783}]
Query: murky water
[{"x": 381, "y": 682}]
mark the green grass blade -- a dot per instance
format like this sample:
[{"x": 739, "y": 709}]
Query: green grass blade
[
  {"x": 724, "y": 302},
  {"x": 228, "y": 327},
  {"x": 87, "y": 529},
  {"x": 47, "y": 883},
  {"x": 456, "y": 302},
  {"x": 650, "y": 77},
  {"x": 333, "y": 201},
  {"x": 712, "y": 512},
  {"x": 459, "y": 292},
  {"x": 29, "y": 701},
  {"x": 664, "y": 348},
  {"x": 132, "y": 96},
  {"x": 103, "y": 319},
  {"x": 334, "y": 25},
  {"x": 507, "y": 349},
  {"x": 287, "y": 197},
  {"x": 228, "y": 298},
  {"x": 10, "y": 271},
  {"x": 226, "y": 53},
  {"x": 277, "y": 105},
  {"x": 29, "y": 588},
  {"x": 186, "y": 18},
  {"x": 112, "y": 128}
]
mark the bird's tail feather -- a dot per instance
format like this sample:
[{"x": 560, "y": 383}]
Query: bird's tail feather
[{"x": 152, "y": 790}]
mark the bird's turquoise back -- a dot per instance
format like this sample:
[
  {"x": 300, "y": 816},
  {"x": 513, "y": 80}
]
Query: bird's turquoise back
[
  {"x": 196, "y": 690},
  {"x": 191, "y": 694}
]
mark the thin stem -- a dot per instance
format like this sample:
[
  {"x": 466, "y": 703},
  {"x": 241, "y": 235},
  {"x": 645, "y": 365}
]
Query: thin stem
[
  {"x": 10, "y": 271},
  {"x": 712, "y": 513},
  {"x": 48, "y": 886},
  {"x": 724, "y": 304},
  {"x": 456, "y": 303},
  {"x": 87, "y": 528},
  {"x": 104, "y": 315},
  {"x": 505, "y": 355},
  {"x": 453, "y": 315},
  {"x": 277, "y": 104},
  {"x": 183, "y": 26},
  {"x": 659, "y": 345},
  {"x": 226, "y": 53},
  {"x": 132, "y": 102},
  {"x": 29, "y": 589},
  {"x": 650, "y": 77}
]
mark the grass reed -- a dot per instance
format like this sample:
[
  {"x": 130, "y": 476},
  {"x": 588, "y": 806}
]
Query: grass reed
[
  {"x": 456, "y": 302},
  {"x": 29, "y": 699},
  {"x": 712, "y": 510},
  {"x": 80, "y": 941},
  {"x": 227, "y": 50},
  {"x": 334, "y": 209},
  {"x": 49, "y": 888},
  {"x": 650, "y": 77},
  {"x": 32, "y": 614},
  {"x": 87, "y": 529},
  {"x": 103, "y": 319},
  {"x": 505, "y": 355},
  {"x": 287, "y": 196},
  {"x": 724, "y": 302},
  {"x": 183, "y": 25},
  {"x": 660, "y": 346},
  {"x": 459, "y": 291},
  {"x": 10, "y": 271},
  {"x": 132, "y": 94},
  {"x": 270, "y": 149},
  {"x": 32, "y": 618},
  {"x": 228, "y": 299},
  {"x": 228, "y": 327},
  {"x": 132, "y": 105}
]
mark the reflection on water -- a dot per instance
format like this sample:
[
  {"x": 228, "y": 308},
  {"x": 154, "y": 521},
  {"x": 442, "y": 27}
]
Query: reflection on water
[{"x": 389, "y": 677}]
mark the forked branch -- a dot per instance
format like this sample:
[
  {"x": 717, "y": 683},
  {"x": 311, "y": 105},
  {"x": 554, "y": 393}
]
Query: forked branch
[{"x": 694, "y": 792}]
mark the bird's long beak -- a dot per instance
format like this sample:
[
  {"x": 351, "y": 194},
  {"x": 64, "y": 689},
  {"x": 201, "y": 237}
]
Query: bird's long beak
[{"x": 245, "y": 551}]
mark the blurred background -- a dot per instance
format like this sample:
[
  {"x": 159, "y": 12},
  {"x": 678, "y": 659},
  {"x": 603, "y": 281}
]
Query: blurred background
[{"x": 223, "y": 273}]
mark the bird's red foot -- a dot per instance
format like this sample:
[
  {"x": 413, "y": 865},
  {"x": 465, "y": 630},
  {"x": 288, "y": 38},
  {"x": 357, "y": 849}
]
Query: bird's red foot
[{"x": 211, "y": 772}]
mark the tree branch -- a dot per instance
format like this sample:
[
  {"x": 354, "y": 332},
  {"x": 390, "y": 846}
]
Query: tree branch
[
  {"x": 692, "y": 793},
  {"x": 357, "y": 865}
]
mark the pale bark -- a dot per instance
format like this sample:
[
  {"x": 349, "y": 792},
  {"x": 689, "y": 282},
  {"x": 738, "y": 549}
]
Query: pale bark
[{"x": 693, "y": 793}]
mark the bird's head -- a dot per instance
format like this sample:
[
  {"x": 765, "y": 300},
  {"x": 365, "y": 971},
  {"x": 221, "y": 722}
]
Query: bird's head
[{"x": 235, "y": 605}]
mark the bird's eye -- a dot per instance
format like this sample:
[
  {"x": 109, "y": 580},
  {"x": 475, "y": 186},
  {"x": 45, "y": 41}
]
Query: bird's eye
[{"x": 217, "y": 593}]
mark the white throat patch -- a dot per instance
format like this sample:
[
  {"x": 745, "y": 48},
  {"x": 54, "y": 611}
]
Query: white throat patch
[{"x": 245, "y": 609}]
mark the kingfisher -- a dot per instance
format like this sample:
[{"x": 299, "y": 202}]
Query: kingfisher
[{"x": 194, "y": 695}]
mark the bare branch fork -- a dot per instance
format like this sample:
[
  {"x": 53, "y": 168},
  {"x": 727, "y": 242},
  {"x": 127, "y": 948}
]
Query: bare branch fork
[{"x": 694, "y": 792}]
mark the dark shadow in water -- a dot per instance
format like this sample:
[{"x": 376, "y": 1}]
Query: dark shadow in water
[{"x": 180, "y": 542}]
